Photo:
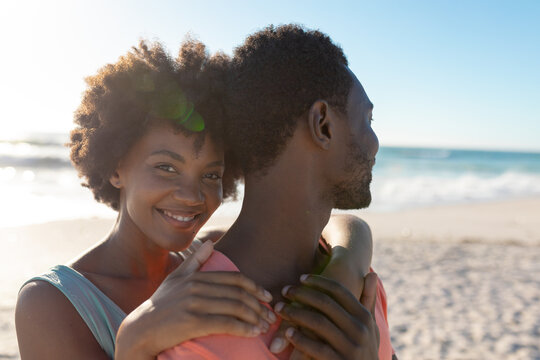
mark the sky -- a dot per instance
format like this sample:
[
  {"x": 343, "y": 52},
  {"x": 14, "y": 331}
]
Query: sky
[{"x": 461, "y": 74}]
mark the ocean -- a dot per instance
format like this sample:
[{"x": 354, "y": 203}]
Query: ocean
[{"x": 38, "y": 183}]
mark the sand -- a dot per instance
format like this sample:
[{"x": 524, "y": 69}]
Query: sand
[{"x": 463, "y": 281}]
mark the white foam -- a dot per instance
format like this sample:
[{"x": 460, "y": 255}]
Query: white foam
[
  {"x": 24, "y": 150},
  {"x": 392, "y": 193}
]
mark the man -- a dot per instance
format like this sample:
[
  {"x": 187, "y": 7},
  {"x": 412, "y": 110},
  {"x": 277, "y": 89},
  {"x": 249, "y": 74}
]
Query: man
[{"x": 300, "y": 125}]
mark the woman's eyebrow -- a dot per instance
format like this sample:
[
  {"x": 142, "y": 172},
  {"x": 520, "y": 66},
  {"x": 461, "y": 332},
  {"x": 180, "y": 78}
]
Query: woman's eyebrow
[
  {"x": 171, "y": 154},
  {"x": 215, "y": 163}
]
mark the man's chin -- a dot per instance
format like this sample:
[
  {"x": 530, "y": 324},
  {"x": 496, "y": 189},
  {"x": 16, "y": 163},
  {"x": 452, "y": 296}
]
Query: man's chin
[{"x": 354, "y": 203}]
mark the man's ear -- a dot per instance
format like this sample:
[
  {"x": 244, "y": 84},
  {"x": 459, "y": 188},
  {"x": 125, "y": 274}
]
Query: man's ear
[
  {"x": 115, "y": 180},
  {"x": 320, "y": 124}
]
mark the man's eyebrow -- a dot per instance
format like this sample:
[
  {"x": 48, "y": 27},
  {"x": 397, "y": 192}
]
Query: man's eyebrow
[
  {"x": 370, "y": 105},
  {"x": 171, "y": 154}
]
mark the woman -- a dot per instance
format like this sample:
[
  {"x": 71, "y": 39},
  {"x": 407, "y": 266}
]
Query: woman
[{"x": 149, "y": 144}]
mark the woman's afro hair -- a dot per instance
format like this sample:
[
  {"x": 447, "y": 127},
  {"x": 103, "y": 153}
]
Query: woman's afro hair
[{"x": 143, "y": 87}]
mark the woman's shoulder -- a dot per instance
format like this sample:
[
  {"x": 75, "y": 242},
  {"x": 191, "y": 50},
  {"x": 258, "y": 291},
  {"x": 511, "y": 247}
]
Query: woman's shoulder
[
  {"x": 40, "y": 300},
  {"x": 48, "y": 325},
  {"x": 43, "y": 298}
]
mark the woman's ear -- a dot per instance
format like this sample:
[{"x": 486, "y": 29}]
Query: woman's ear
[
  {"x": 320, "y": 124},
  {"x": 115, "y": 180}
]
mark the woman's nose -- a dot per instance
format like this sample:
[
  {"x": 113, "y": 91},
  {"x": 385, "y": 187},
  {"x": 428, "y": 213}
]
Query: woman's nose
[{"x": 189, "y": 194}]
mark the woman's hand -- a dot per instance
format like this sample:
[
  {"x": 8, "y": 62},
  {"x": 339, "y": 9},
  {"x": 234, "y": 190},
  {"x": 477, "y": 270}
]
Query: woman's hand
[
  {"x": 190, "y": 304},
  {"x": 331, "y": 322}
]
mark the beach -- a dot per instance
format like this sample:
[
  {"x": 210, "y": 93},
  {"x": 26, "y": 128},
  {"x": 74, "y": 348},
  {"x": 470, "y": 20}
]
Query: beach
[{"x": 463, "y": 281}]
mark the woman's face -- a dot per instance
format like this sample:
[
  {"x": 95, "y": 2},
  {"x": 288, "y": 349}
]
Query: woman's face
[{"x": 168, "y": 188}]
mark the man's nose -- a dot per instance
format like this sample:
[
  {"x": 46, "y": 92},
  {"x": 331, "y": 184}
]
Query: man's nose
[{"x": 376, "y": 145}]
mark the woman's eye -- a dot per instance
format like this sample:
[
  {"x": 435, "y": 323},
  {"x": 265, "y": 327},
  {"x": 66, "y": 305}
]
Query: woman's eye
[
  {"x": 213, "y": 176},
  {"x": 166, "y": 167}
]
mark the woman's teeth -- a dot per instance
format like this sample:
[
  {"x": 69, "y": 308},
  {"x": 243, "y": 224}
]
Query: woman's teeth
[{"x": 178, "y": 217}]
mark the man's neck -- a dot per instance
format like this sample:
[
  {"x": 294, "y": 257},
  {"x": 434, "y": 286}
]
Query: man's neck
[{"x": 275, "y": 238}]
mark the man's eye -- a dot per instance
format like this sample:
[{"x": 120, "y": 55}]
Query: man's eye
[{"x": 166, "y": 167}]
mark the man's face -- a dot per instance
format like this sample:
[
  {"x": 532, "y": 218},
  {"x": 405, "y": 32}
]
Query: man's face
[{"x": 352, "y": 192}]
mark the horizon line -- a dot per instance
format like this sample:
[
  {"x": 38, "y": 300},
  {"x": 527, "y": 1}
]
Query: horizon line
[{"x": 27, "y": 135}]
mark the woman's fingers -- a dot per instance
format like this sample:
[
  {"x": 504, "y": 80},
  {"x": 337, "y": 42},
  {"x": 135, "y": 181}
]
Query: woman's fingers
[
  {"x": 228, "y": 307},
  {"x": 309, "y": 347},
  {"x": 222, "y": 324},
  {"x": 231, "y": 300},
  {"x": 235, "y": 279},
  {"x": 232, "y": 294},
  {"x": 193, "y": 262}
]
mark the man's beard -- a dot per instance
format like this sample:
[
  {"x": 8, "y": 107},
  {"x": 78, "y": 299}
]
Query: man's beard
[{"x": 354, "y": 193}]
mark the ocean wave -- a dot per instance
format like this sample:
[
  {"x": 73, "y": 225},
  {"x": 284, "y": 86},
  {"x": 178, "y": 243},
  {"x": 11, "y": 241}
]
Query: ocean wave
[
  {"x": 422, "y": 153},
  {"x": 430, "y": 190},
  {"x": 34, "y": 162},
  {"x": 36, "y": 139},
  {"x": 25, "y": 154}
]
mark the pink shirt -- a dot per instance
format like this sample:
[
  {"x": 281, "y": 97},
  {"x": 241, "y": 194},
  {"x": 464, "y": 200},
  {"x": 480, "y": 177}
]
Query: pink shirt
[{"x": 228, "y": 347}]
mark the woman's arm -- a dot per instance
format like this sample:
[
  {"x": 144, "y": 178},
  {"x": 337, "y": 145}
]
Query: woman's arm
[{"x": 352, "y": 250}]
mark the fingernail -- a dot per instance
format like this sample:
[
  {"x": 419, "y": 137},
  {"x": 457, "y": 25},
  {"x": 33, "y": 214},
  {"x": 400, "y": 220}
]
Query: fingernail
[
  {"x": 255, "y": 331},
  {"x": 290, "y": 332},
  {"x": 277, "y": 345},
  {"x": 279, "y": 306},
  {"x": 285, "y": 290},
  {"x": 208, "y": 243},
  {"x": 304, "y": 277},
  {"x": 267, "y": 295},
  {"x": 264, "y": 326},
  {"x": 272, "y": 317}
]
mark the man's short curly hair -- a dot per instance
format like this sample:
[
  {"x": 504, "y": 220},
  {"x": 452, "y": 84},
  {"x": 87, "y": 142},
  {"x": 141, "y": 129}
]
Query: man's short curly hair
[
  {"x": 144, "y": 87},
  {"x": 276, "y": 75}
]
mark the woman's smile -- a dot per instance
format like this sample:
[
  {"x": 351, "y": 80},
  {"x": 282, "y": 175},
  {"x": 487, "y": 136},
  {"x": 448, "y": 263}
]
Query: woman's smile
[{"x": 181, "y": 220}]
